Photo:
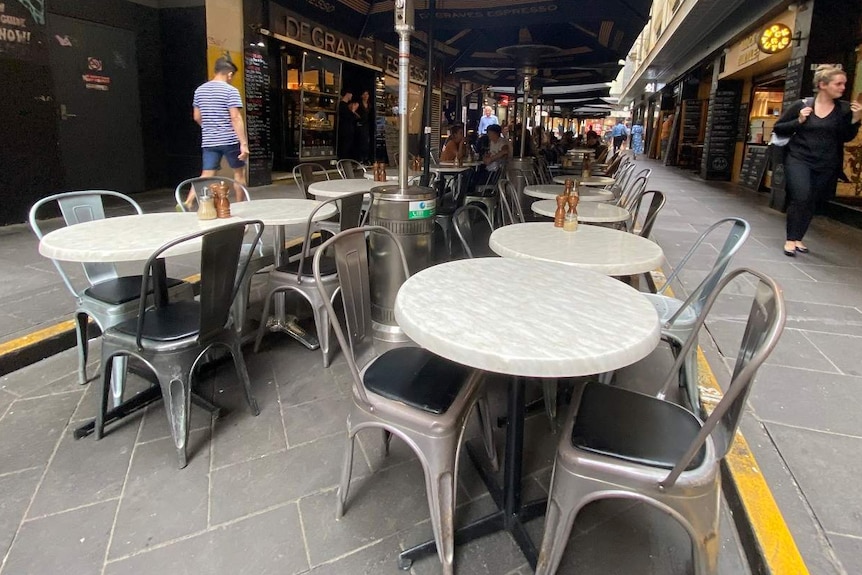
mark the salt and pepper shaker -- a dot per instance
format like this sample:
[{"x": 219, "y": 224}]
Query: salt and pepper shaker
[
  {"x": 222, "y": 203},
  {"x": 570, "y": 223},
  {"x": 586, "y": 167},
  {"x": 560, "y": 213},
  {"x": 206, "y": 208}
]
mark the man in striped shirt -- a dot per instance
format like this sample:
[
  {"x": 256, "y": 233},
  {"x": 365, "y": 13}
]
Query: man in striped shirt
[{"x": 218, "y": 111}]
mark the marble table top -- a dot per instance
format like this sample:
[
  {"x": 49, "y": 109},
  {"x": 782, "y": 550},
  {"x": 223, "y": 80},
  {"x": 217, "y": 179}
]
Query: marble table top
[
  {"x": 578, "y": 322},
  {"x": 581, "y": 151},
  {"x": 589, "y": 212},
  {"x": 604, "y": 250},
  {"x": 551, "y": 191},
  {"x": 126, "y": 238},
  {"x": 595, "y": 181},
  {"x": 282, "y": 212},
  {"x": 466, "y": 163},
  {"x": 392, "y": 175},
  {"x": 451, "y": 169},
  {"x": 338, "y": 188}
]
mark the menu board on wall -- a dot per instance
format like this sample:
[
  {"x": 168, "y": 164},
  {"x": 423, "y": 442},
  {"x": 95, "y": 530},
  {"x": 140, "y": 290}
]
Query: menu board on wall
[
  {"x": 722, "y": 124},
  {"x": 793, "y": 80},
  {"x": 753, "y": 166},
  {"x": 22, "y": 31},
  {"x": 257, "y": 118},
  {"x": 742, "y": 127},
  {"x": 691, "y": 120}
]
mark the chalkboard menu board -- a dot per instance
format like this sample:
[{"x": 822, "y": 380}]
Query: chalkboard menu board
[
  {"x": 753, "y": 166},
  {"x": 793, "y": 80},
  {"x": 691, "y": 120},
  {"x": 257, "y": 118},
  {"x": 722, "y": 125}
]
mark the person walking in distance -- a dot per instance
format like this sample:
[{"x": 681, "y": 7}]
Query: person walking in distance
[
  {"x": 818, "y": 128},
  {"x": 488, "y": 119},
  {"x": 618, "y": 133},
  {"x": 218, "y": 111}
]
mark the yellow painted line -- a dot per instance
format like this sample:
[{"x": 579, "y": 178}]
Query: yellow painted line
[
  {"x": 38, "y": 336},
  {"x": 773, "y": 538},
  {"x": 24, "y": 341}
]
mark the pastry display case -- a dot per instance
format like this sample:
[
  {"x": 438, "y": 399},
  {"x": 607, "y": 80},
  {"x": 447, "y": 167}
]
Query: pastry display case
[{"x": 310, "y": 102}]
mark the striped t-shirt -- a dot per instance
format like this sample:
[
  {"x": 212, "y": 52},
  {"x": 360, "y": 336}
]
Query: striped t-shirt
[{"x": 215, "y": 99}]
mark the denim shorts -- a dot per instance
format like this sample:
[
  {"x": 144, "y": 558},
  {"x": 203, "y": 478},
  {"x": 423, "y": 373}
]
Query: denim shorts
[{"x": 213, "y": 156}]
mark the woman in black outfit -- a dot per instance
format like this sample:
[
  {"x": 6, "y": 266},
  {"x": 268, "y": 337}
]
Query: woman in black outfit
[{"x": 819, "y": 129}]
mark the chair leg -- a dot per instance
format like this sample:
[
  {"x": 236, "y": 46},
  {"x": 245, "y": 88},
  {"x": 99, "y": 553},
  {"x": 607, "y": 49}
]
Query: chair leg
[
  {"x": 487, "y": 426},
  {"x": 118, "y": 379},
  {"x": 440, "y": 483},
  {"x": 387, "y": 441},
  {"x": 240, "y": 303},
  {"x": 346, "y": 470},
  {"x": 107, "y": 368},
  {"x": 321, "y": 322},
  {"x": 242, "y": 374},
  {"x": 564, "y": 502},
  {"x": 549, "y": 390},
  {"x": 81, "y": 329},
  {"x": 177, "y": 396}
]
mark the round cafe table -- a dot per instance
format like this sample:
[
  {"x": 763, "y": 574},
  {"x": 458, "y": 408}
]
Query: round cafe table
[
  {"x": 392, "y": 175},
  {"x": 588, "y": 213},
  {"x": 125, "y": 238},
  {"x": 604, "y": 250},
  {"x": 551, "y": 191},
  {"x": 581, "y": 323},
  {"x": 337, "y": 188},
  {"x": 594, "y": 181},
  {"x": 279, "y": 213}
]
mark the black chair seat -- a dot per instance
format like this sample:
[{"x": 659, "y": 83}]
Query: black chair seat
[
  {"x": 327, "y": 266},
  {"x": 634, "y": 427},
  {"x": 416, "y": 377},
  {"x": 173, "y": 322},
  {"x": 122, "y": 289}
]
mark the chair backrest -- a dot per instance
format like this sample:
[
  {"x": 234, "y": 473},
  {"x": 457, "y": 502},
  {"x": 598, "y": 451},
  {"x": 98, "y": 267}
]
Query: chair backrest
[
  {"x": 510, "y": 206},
  {"x": 657, "y": 202},
  {"x": 739, "y": 232},
  {"x": 762, "y": 331},
  {"x": 198, "y": 184},
  {"x": 306, "y": 174},
  {"x": 221, "y": 274},
  {"x": 351, "y": 262},
  {"x": 473, "y": 227},
  {"x": 603, "y": 155},
  {"x": 614, "y": 165},
  {"x": 350, "y": 169},
  {"x": 621, "y": 181},
  {"x": 77, "y": 208},
  {"x": 634, "y": 185},
  {"x": 350, "y": 216}
]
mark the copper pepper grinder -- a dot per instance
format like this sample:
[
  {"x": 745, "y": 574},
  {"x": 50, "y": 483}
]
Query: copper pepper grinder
[
  {"x": 560, "y": 213},
  {"x": 222, "y": 203}
]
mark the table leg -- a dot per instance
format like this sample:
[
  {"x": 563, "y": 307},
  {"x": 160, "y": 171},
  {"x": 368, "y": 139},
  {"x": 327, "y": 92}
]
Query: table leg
[
  {"x": 280, "y": 321},
  {"x": 511, "y": 514}
]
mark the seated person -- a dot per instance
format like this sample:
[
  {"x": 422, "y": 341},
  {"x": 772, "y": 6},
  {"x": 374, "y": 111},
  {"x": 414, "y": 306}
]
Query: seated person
[
  {"x": 495, "y": 157},
  {"x": 453, "y": 144},
  {"x": 595, "y": 142}
]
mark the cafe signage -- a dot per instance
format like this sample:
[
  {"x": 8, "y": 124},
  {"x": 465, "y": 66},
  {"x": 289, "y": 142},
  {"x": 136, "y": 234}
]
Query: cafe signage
[
  {"x": 295, "y": 27},
  {"x": 748, "y": 51},
  {"x": 22, "y": 30}
]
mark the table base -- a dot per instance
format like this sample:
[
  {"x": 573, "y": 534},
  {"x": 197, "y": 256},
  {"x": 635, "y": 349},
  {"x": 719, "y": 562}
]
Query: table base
[
  {"x": 511, "y": 514},
  {"x": 291, "y": 327}
]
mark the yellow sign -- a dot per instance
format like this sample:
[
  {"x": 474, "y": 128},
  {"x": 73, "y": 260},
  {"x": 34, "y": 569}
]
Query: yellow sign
[{"x": 775, "y": 38}]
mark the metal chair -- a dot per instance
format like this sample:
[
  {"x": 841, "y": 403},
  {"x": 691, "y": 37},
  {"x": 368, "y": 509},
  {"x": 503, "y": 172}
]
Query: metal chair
[
  {"x": 350, "y": 169},
  {"x": 306, "y": 174},
  {"x": 678, "y": 317},
  {"x": 622, "y": 444},
  {"x": 510, "y": 207},
  {"x": 296, "y": 275},
  {"x": 473, "y": 227},
  {"x": 657, "y": 202},
  {"x": 171, "y": 339},
  {"x": 486, "y": 194},
  {"x": 108, "y": 298},
  {"x": 621, "y": 181},
  {"x": 262, "y": 255},
  {"x": 407, "y": 392}
]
